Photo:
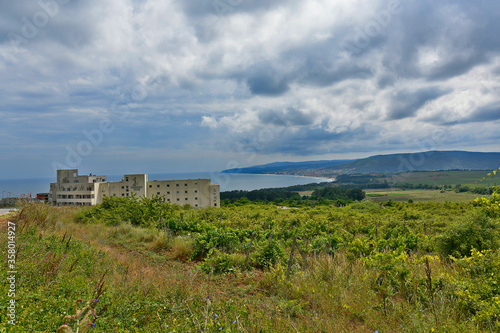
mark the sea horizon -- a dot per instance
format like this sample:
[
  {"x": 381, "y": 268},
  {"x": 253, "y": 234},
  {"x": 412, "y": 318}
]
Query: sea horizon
[{"x": 227, "y": 181}]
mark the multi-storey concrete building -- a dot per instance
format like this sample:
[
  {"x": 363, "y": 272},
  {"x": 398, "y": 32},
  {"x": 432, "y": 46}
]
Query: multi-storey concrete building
[
  {"x": 43, "y": 197},
  {"x": 74, "y": 189}
]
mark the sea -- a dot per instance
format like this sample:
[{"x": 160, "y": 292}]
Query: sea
[{"x": 227, "y": 182}]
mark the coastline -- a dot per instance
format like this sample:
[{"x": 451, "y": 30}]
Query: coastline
[
  {"x": 313, "y": 177},
  {"x": 327, "y": 179},
  {"x": 232, "y": 181}
]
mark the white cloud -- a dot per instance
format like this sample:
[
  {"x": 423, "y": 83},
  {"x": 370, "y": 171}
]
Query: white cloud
[
  {"x": 155, "y": 67},
  {"x": 209, "y": 122}
]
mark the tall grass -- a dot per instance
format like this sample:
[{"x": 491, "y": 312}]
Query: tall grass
[{"x": 144, "y": 279}]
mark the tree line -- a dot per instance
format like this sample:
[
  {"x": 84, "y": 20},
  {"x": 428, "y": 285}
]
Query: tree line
[{"x": 323, "y": 195}]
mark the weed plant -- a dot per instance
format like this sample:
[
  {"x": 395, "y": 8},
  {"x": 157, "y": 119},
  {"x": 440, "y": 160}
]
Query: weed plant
[{"x": 393, "y": 267}]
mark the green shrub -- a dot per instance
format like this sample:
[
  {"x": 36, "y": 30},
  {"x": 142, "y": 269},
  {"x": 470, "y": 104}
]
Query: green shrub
[
  {"x": 220, "y": 239},
  {"x": 270, "y": 254},
  {"x": 222, "y": 263},
  {"x": 460, "y": 238},
  {"x": 325, "y": 243},
  {"x": 478, "y": 287},
  {"x": 491, "y": 205},
  {"x": 359, "y": 247}
]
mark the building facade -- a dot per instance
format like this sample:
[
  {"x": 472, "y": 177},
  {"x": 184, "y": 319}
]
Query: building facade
[
  {"x": 43, "y": 197},
  {"x": 78, "y": 190}
]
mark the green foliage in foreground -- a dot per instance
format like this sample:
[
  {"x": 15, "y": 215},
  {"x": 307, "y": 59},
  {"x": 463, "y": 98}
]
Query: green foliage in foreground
[
  {"x": 271, "y": 195},
  {"x": 459, "y": 239},
  {"x": 337, "y": 193},
  {"x": 392, "y": 267}
]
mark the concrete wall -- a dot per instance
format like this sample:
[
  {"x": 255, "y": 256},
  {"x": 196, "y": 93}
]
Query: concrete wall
[
  {"x": 73, "y": 189},
  {"x": 198, "y": 193}
]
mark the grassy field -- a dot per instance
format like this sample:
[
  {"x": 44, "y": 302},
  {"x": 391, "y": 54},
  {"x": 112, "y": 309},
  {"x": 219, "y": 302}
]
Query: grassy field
[
  {"x": 151, "y": 267},
  {"x": 418, "y": 196},
  {"x": 382, "y": 195},
  {"x": 469, "y": 178}
]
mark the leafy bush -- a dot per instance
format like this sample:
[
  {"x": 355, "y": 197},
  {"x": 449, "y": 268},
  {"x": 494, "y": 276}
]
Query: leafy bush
[
  {"x": 326, "y": 243},
  {"x": 359, "y": 247},
  {"x": 393, "y": 270},
  {"x": 397, "y": 237},
  {"x": 215, "y": 238},
  {"x": 270, "y": 254},
  {"x": 460, "y": 238},
  {"x": 491, "y": 205},
  {"x": 218, "y": 262},
  {"x": 117, "y": 210},
  {"x": 478, "y": 286}
]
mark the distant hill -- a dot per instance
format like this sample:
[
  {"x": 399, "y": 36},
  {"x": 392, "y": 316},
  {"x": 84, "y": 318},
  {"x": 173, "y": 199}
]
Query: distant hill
[
  {"x": 392, "y": 163},
  {"x": 287, "y": 167},
  {"x": 425, "y": 161}
]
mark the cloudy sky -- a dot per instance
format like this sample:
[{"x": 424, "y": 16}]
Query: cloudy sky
[{"x": 154, "y": 86}]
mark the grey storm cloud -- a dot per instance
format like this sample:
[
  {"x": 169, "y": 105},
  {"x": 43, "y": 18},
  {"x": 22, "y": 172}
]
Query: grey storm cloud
[
  {"x": 320, "y": 64},
  {"x": 289, "y": 117},
  {"x": 313, "y": 141},
  {"x": 197, "y": 8},
  {"x": 464, "y": 31},
  {"x": 305, "y": 141},
  {"x": 386, "y": 80},
  {"x": 267, "y": 81},
  {"x": 406, "y": 103},
  {"x": 327, "y": 76},
  {"x": 487, "y": 113},
  {"x": 309, "y": 65},
  {"x": 68, "y": 23}
]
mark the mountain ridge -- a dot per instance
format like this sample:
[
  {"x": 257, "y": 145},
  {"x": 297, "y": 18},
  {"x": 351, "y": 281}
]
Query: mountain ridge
[{"x": 433, "y": 160}]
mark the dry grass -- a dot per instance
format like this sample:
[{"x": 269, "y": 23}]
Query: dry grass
[
  {"x": 337, "y": 294},
  {"x": 182, "y": 249}
]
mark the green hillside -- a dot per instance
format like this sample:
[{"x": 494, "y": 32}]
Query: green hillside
[
  {"x": 425, "y": 161},
  {"x": 392, "y": 163}
]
